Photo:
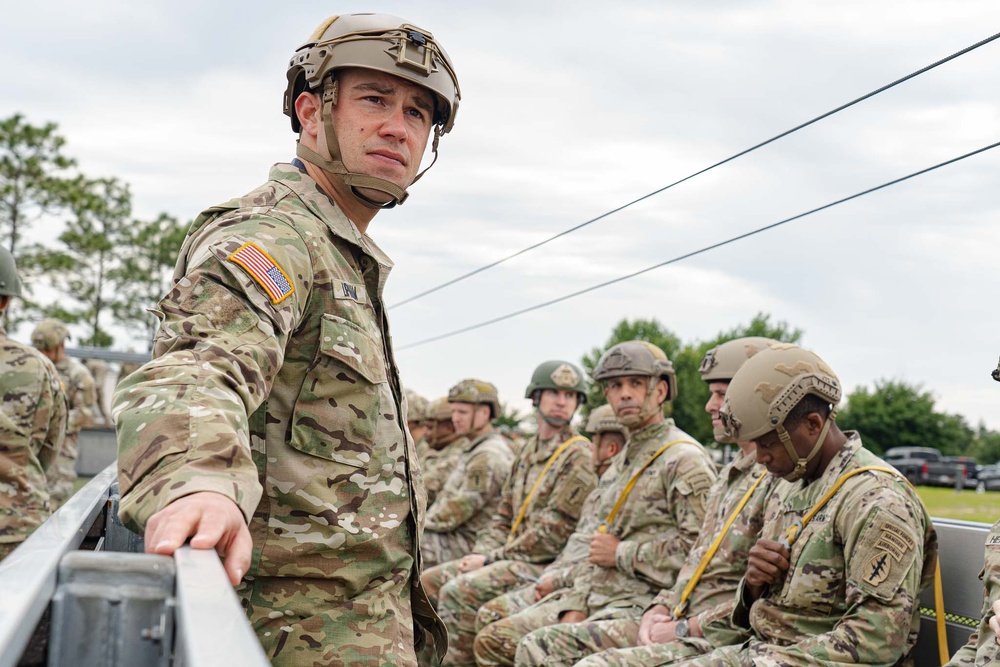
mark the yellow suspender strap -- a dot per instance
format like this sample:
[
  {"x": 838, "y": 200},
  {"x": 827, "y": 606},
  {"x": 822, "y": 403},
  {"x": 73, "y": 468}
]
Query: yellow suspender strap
[
  {"x": 796, "y": 528},
  {"x": 541, "y": 476},
  {"x": 680, "y": 611},
  {"x": 635, "y": 478}
]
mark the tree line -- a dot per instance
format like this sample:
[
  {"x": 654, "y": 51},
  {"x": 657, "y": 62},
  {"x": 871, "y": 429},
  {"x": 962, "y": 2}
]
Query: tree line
[
  {"x": 893, "y": 413},
  {"x": 105, "y": 265}
]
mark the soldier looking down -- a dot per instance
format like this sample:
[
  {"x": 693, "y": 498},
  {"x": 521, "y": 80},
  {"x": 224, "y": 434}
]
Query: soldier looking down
[
  {"x": 540, "y": 504},
  {"x": 49, "y": 337},
  {"x": 273, "y": 398},
  {"x": 32, "y": 426}
]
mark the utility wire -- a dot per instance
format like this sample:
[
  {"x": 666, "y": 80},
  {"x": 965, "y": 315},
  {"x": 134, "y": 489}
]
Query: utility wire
[
  {"x": 693, "y": 253},
  {"x": 884, "y": 88}
]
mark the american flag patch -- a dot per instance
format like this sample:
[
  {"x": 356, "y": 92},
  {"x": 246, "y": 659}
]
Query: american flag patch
[{"x": 264, "y": 270}]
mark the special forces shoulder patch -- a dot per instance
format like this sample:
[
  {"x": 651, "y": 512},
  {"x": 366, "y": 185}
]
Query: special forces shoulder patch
[
  {"x": 264, "y": 270},
  {"x": 886, "y": 551}
]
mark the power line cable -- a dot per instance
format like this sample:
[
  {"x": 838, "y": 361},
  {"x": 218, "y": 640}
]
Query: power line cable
[
  {"x": 884, "y": 88},
  {"x": 700, "y": 251}
]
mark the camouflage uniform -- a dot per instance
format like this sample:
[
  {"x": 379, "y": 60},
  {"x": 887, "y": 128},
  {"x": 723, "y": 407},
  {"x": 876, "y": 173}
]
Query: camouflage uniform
[
  {"x": 81, "y": 392},
  {"x": 657, "y": 526},
  {"x": 982, "y": 647},
  {"x": 540, "y": 537},
  {"x": 712, "y": 600},
  {"x": 99, "y": 371},
  {"x": 468, "y": 500},
  {"x": 851, "y": 592},
  {"x": 284, "y": 397},
  {"x": 32, "y": 428},
  {"x": 438, "y": 464}
]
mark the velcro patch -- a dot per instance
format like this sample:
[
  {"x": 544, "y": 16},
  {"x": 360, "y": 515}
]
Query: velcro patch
[
  {"x": 699, "y": 481},
  {"x": 894, "y": 541},
  {"x": 569, "y": 498},
  {"x": 342, "y": 290},
  {"x": 993, "y": 540},
  {"x": 479, "y": 476},
  {"x": 884, "y": 554},
  {"x": 264, "y": 270}
]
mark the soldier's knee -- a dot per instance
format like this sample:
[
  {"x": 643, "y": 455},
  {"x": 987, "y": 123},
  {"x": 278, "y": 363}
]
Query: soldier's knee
[
  {"x": 487, "y": 614},
  {"x": 487, "y": 646}
]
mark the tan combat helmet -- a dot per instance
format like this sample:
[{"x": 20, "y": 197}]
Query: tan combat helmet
[
  {"x": 439, "y": 410},
  {"x": 638, "y": 357},
  {"x": 49, "y": 334},
  {"x": 721, "y": 363},
  {"x": 602, "y": 419},
  {"x": 476, "y": 392},
  {"x": 378, "y": 42},
  {"x": 417, "y": 405},
  {"x": 767, "y": 387}
]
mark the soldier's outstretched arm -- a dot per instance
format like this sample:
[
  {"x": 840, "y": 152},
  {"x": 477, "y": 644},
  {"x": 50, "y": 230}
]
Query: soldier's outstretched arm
[{"x": 212, "y": 521}]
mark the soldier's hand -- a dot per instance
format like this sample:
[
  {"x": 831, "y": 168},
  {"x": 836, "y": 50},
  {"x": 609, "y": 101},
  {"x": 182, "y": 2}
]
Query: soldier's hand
[
  {"x": 211, "y": 520},
  {"x": 653, "y": 615},
  {"x": 662, "y": 631},
  {"x": 544, "y": 587},
  {"x": 572, "y": 617},
  {"x": 766, "y": 565},
  {"x": 995, "y": 621},
  {"x": 602, "y": 549},
  {"x": 471, "y": 562}
]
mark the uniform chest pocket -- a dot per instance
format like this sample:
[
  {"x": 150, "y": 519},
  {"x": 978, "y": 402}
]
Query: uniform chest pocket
[
  {"x": 337, "y": 410},
  {"x": 815, "y": 580}
]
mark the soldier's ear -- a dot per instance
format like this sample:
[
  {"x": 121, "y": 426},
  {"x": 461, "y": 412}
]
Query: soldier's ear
[{"x": 307, "y": 109}]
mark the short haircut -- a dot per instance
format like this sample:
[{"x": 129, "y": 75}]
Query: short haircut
[{"x": 809, "y": 404}]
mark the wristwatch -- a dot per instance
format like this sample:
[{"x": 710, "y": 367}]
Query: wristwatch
[{"x": 681, "y": 630}]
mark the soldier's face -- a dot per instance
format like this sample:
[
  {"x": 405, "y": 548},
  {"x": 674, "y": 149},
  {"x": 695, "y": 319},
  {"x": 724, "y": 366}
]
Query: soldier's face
[
  {"x": 557, "y": 403},
  {"x": 773, "y": 455},
  {"x": 442, "y": 429},
  {"x": 382, "y": 124},
  {"x": 418, "y": 429},
  {"x": 606, "y": 445},
  {"x": 715, "y": 402}
]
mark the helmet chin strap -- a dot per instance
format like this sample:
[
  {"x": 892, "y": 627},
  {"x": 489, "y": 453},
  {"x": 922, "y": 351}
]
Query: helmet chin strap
[
  {"x": 800, "y": 463},
  {"x": 335, "y": 166}
]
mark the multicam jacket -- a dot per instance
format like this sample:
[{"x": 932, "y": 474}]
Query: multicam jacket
[
  {"x": 273, "y": 383},
  {"x": 554, "y": 509},
  {"x": 657, "y": 523},
  {"x": 982, "y": 647},
  {"x": 32, "y": 428},
  {"x": 437, "y": 465},
  {"x": 850, "y": 594},
  {"x": 470, "y": 496},
  {"x": 713, "y": 598}
]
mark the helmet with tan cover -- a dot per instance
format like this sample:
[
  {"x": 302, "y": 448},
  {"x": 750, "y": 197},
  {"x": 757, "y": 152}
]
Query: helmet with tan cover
[
  {"x": 721, "y": 362},
  {"x": 602, "y": 419},
  {"x": 439, "y": 410},
  {"x": 417, "y": 405},
  {"x": 49, "y": 334},
  {"x": 378, "y": 42},
  {"x": 477, "y": 392},
  {"x": 766, "y": 389},
  {"x": 637, "y": 357}
]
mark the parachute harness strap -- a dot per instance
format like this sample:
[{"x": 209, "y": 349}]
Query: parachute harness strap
[
  {"x": 603, "y": 528},
  {"x": 793, "y": 531},
  {"x": 680, "y": 611},
  {"x": 531, "y": 494}
]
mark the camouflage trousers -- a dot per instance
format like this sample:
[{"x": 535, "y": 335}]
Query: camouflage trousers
[
  {"x": 303, "y": 621},
  {"x": 62, "y": 475},
  {"x": 601, "y": 644},
  {"x": 459, "y": 596},
  {"x": 438, "y": 548},
  {"x": 505, "y": 605},
  {"x": 497, "y": 643}
]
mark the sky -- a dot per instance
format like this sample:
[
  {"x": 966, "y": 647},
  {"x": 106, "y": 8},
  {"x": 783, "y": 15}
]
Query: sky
[{"x": 570, "y": 110}]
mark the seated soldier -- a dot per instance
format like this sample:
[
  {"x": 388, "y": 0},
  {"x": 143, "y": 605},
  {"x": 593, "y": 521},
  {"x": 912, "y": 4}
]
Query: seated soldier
[
  {"x": 652, "y": 503},
  {"x": 416, "y": 423},
  {"x": 671, "y": 626},
  {"x": 539, "y": 507},
  {"x": 471, "y": 494},
  {"x": 846, "y": 545},
  {"x": 608, "y": 437},
  {"x": 444, "y": 445}
]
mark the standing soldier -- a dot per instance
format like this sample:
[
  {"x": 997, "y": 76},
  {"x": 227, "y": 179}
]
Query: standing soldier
[
  {"x": 551, "y": 477},
  {"x": 692, "y": 617},
  {"x": 444, "y": 447},
  {"x": 471, "y": 494},
  {"x": 273, "y": 397},
  {"x": 32, "y": 426},
  {"x": 651, "y": 507},
  {"x": 49, "y": 337},
  {"x": 846, "y": 545}
]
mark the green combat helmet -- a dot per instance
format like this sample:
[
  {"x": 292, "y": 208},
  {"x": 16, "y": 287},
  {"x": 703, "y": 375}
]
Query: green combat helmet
[
  {"x": 378, "y": 42},
  {"x": 476, "y": 392},
  {"x": 10, "y": 282},
  {"x": 603, "y": 420},
  {"x": 557, "y": 375},
  {"x": 766, "y": 389},
  {"x": 721, "y": 363},
  {"x": 638, "y": 357},
  {"x": 49, "y": 334}
]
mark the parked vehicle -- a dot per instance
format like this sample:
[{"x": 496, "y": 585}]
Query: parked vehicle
[
  {"x": 988, "y": 478},
  {"x": 911, "y": 460},
  {"x": 945, "y": 472}
]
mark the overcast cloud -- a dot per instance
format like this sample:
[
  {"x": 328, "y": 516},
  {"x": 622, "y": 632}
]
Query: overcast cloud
[{"x": 572, "y": 109}]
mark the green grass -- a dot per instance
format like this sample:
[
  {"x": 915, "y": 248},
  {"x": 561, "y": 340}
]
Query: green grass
[{"x": 966, "y": 505}]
